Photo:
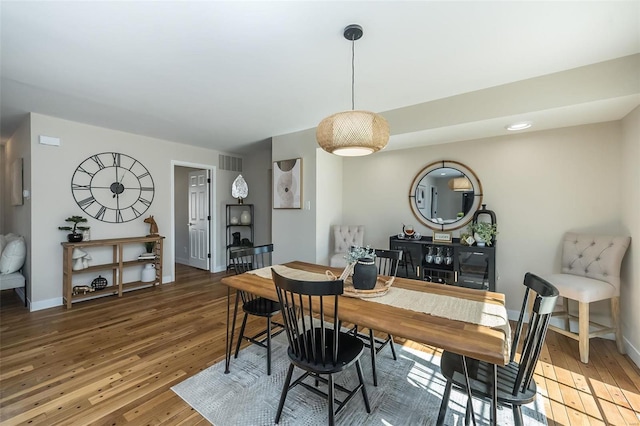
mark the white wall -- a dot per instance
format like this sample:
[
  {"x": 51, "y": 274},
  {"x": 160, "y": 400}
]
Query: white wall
[
  {"x": 630, "y": 189},
  {"x": 256, "y": 170},
  {"x": 328, "y": 202},
  {"x": 52, "y": 201},
  {"x": 294, "y": 230}
]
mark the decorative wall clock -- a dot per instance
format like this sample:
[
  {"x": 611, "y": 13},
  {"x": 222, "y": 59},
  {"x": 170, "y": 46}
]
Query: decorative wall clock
[{"x": 112, "y": 187}]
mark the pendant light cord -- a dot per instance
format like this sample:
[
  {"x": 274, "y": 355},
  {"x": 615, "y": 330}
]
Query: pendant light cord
[{"x": 353, "y": 72}]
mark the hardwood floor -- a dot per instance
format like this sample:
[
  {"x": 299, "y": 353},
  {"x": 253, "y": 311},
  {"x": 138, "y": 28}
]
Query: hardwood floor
[{"x": 113, "y": 361}]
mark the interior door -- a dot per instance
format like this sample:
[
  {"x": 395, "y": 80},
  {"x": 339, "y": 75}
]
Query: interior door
[{"x": 199, "y": 219}]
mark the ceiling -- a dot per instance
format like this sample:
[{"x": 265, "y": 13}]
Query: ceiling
[{"x": 228, "y": 75}]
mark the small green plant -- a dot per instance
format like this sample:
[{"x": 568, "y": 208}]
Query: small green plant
[
  {"x": 485, "y": 230},
  {"x": 75, "y": 220},
  {"x": 149, "y": 246},
  {"x": 357, "y": 252}
]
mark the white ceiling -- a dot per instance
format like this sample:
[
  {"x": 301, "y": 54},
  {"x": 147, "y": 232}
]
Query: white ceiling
[{"x": 225, "y": 75}]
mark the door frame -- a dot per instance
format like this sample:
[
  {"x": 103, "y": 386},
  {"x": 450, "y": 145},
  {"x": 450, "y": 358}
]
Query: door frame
[{"x": 213, "y": 246}]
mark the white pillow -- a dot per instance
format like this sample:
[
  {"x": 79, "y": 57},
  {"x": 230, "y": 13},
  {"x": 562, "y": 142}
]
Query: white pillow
[{"x": 13, "y": 256}]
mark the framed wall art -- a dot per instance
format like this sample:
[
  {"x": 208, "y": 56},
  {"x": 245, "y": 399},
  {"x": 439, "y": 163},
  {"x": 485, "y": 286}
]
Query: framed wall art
[
  {"x": 287, "y": 184},
  {"x": 16, "y": 182}
]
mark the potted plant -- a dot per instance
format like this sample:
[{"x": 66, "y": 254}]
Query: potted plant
[
  {"x": 75, "y": 236},
  {"x": 483, "y": 232}
]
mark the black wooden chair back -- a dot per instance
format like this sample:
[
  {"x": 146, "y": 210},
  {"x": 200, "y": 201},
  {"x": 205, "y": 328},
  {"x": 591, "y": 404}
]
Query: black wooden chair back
[
  {"x": 316, "y": 344},
  {"x": 248, "y": 259},
  {"x": 515, "y": 384},
  {"x": 312, "y": 342},
  {"x": 244, "y": 260},
  {"x": 387, "y": 261},
  {"x": 546, "y": 296}
]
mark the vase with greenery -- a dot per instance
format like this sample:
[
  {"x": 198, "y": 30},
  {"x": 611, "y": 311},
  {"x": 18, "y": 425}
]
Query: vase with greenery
[
  {"x": 365, "y": 272},
  {"x": 76, "y": 231},
  {"x": 483, "y": 232}
]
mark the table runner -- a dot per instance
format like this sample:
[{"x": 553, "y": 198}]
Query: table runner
[{"x": 454, "y": 308}]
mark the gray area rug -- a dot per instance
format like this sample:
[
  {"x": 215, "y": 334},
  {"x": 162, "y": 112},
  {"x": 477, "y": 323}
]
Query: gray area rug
[{"x": 408, "y": 393}]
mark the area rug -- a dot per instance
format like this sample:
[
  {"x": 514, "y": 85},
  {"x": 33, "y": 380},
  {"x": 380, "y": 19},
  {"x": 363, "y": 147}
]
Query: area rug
[{"x": 409, "y": 392}]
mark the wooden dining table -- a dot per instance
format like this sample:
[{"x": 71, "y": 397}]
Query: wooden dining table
[{"x": 470, "y": 340}]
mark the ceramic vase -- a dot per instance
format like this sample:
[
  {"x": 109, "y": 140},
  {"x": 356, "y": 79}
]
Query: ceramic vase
[
  {"x": 245, "y": 218},
  {"x": 365, "y": 274},
  {"x": 479, "y": 241},
  {"x": 148, "y": 273}
]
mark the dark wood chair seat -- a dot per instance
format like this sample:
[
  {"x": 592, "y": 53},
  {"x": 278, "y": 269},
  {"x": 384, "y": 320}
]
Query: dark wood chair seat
[
  {"x": 261, "y": 307},
  {"x": 350, "y": 350}
]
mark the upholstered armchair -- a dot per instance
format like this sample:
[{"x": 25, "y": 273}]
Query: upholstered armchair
[
  {"x": 590, "y": 272},
  {"x": 345, "y": 236}
]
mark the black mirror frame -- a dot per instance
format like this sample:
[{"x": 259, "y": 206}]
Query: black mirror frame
[{"x": 477, "y": 195}]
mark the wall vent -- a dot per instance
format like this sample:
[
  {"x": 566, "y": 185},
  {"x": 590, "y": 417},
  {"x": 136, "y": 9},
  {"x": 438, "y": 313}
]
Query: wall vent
[{"x": 227, "y": 162}]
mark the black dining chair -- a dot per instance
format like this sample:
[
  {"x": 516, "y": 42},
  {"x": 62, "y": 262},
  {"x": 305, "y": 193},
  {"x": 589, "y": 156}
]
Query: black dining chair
[
  {"x": 316, "y": 345},
  {"x": 515, "y": 384},
  {"x": 247, "y": 259},
  {"x": 387, "y": 262}
]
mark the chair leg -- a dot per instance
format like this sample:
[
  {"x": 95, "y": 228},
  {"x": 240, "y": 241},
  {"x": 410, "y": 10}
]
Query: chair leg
[
  {"x": 393, "y": 348},
  {"x": 241, "y": 335},
  {"x": 285, "y": 390},
  {"x": 445, "y": 402},
  {"x": 517, "y": 415},
  {"x": 268, "y": 346},
  {"x": 330, "y": 397},
  {"x": 567, "y": 323},
  {"x": 615, "y": 316},
  {"x": 364, "y": 390},
  {"x": 583, "y": 331},
  {"x": 372, "y": 343}
]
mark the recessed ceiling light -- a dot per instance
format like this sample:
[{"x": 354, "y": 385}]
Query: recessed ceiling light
[{"x": 521, "y": 125}]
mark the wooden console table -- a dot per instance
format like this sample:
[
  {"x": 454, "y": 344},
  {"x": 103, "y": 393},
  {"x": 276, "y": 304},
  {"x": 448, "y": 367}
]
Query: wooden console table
[{"x": 116, "y": 284}]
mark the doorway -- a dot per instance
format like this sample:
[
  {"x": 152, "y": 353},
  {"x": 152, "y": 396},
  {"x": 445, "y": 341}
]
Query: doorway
[{"x": 193, "y": 218}]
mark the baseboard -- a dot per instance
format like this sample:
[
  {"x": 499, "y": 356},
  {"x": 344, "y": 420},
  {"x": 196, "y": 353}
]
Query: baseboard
[
  {"x": 182, "y": 261},
  {"x": 632, "y": 351},
  {"x": 45, "y": 304}
]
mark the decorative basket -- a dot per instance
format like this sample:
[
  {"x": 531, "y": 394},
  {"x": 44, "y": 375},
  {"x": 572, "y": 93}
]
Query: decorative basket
[{"x": 99, "y": 283}]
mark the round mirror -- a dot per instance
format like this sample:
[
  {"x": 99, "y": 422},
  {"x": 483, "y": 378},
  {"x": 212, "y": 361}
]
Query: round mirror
[{"x": 444, "y": 195}]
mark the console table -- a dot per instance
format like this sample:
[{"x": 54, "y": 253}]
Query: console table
[
  {"x": 116, "y": 267},
  {"x": 447, "y": 263}
]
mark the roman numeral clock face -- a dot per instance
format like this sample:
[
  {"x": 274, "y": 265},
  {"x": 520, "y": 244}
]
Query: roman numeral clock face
[{"x": 112, "y": 187}]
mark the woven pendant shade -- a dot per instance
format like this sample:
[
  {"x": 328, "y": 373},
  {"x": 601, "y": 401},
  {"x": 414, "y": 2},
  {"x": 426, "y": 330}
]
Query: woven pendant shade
[
  {"x": 460, "y": 184},
  {"x": 353, "y": 133}
]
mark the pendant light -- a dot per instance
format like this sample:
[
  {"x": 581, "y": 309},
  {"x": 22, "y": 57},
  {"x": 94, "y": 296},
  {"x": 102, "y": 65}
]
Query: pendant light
[{"x": 353, "y": 133}]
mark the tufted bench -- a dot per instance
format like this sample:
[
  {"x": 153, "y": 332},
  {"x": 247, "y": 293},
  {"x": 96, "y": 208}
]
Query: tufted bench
[{"x": 590, "y": 272}]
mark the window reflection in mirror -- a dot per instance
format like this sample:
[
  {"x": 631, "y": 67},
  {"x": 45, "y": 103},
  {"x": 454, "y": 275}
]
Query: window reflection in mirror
[{"x": 445, "y": 195}]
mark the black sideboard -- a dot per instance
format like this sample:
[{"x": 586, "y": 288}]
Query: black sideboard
[{"x": 447, "y": 263}]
